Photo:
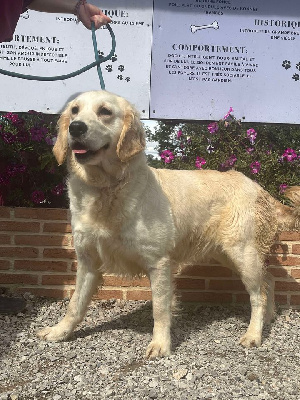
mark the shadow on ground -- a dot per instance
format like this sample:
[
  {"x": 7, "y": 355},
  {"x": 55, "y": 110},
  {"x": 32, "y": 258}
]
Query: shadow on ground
[{"x": 190, "y": 318}]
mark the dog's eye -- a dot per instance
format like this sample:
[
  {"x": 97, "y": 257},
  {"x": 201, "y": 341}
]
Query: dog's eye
[
  {"x": 104, "y": 111},
  {"x": 75, "y": 110}
]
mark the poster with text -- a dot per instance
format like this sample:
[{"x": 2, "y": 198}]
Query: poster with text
[
  {"x": 53, "y": 44},
  {"x": 210, "y": 55}
]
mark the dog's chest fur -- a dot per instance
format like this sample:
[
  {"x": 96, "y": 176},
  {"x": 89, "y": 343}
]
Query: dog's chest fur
[{"x": 115, "y": 223}]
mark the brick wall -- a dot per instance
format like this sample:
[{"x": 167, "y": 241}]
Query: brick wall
[{"x": 37, "y": 256}]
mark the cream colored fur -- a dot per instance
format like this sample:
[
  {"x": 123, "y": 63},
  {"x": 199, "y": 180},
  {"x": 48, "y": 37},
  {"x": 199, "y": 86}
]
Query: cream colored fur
[{"x": 130, "y": 219}]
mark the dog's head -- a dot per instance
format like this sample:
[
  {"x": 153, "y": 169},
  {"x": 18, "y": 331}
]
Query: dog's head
[{"x": 97, "y": 125}]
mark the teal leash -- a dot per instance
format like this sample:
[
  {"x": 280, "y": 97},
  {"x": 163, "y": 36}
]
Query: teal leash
[
  {"x": 99, "y": 60},
  {"x": 97, "y": 56}
]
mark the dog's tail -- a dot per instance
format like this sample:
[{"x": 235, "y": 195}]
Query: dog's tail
[{"x": 289, "y": 217}]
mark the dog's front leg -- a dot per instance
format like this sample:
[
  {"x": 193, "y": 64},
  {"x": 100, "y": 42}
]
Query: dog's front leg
[
  {"x": 162, "y": 292},
  {"x": 87, "y": 280}
]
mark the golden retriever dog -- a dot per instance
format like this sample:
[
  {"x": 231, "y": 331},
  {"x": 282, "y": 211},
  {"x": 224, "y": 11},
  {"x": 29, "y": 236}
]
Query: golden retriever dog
[{"x": 130, "y": 219}]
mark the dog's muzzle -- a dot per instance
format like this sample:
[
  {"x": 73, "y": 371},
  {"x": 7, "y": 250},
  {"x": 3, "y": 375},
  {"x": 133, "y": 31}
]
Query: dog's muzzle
[
  {"x": 77, "y": 129},
  {"x": 78, "y": 144}
]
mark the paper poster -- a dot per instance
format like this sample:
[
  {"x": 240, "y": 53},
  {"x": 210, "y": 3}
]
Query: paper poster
[
  {"x": 207, "y": 56},
  {"x": 210, "y": 55},
  {"x": 53, "y": 44}
]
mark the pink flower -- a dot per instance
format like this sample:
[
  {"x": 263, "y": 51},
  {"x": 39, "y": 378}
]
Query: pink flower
[
  {"x": 9, "y": 137},
  {"x": 37, "y": 134},
  {"x": 232, "y": 160},
  {"x": 179, "y": 134},
  {"x": 15, "y": 169},
  {"x": 251, "y": 134},
  {"x": 213, "y": 127},
  {"x": 289, "y": 155},
  {"x": 283, "y": 187},
  {"x": 250, "y": 150},
  {"x": 38, "y": 196},
  {"x": 4, "y": 181},
  {"x": 255, "y": 167},
  {"x": 199, "y": 162},
  {"x": 228, "y": 113},
  {"x": 167, "y": 156},
  {"x": 58, "y": 189},
  {"x": 49, "y": 140},
  {"x": 13, "y": 118},
  {"x": 228, "y": 163}
]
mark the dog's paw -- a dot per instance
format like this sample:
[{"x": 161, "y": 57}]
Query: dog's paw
[
  {"x": 248, "y": 340},
  {"x": 53, "y": 334},
  {"x": 156, "y": 349}
]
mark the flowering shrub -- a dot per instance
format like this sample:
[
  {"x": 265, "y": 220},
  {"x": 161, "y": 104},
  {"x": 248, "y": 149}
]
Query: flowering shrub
[
  {"x": 29, "y": 175},
  {"x": 167, "y": 156},
  {"x": 269, "y": 154}
]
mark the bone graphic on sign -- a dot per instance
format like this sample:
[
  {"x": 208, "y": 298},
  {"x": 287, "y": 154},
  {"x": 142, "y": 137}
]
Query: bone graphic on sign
[{"x": 195, "y": 28}]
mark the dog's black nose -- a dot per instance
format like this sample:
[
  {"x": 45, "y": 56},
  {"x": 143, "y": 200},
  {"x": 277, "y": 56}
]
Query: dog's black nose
[{"x": 77, "y": 128}]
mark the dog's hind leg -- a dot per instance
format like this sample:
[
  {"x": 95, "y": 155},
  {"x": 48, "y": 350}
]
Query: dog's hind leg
[
  {"x": 87, "y": 281},
  {"x": 162, "y": 293},
  {"x": 270, "y": 304}
]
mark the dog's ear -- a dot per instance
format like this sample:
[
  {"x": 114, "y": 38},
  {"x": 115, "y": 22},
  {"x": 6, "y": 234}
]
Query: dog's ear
[
  {"x": 61, "y": 145},
  {"x": 132, "y": 138}
]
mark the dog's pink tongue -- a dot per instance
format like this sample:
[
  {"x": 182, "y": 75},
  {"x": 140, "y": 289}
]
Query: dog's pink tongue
[{"x": 79, "y": 151}]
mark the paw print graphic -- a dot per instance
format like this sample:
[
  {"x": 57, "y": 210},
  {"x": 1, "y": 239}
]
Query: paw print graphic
[
  {"x": 286, "y": 64},
  {"x": 114, "y": 58},
  {"x": 120, "y": 68},
  {"x": 25, "y": 15}
]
